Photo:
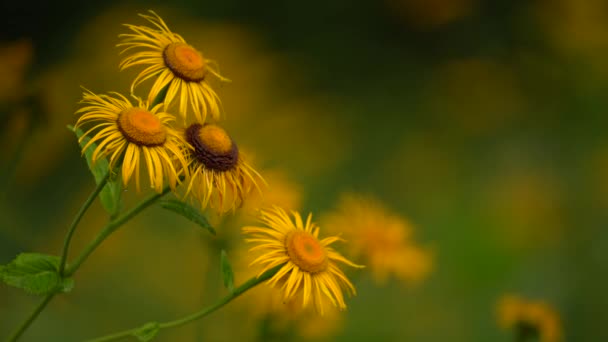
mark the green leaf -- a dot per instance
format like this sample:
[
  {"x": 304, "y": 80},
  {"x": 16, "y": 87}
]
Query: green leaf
[
  {"x": 147, "y": 332},
  {"x": 36, "y": 274},
  {"x": 188, "y": 212},
  {"x": 110, "y": 195},
  {"x": 227, "y": 273},
  {"x": 160, "y": 98}
]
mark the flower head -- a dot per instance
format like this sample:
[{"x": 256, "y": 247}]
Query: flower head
[
  {"x": 309, "y": 266},
  {"x": 266, "y": 305},
  {"x": 529, "y": 319},
  {"x": 379, "y": 239},
  {"x": 218, "y": 175},
  {"x": 132, "y": 133},
  {"x": 176, "y": 64}
]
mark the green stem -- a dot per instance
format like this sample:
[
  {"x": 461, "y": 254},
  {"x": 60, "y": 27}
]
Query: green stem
[
  {"x": 110, "y": 228},
  {"x": 66, "y": 245},
  {"x": 77, "y": 218},
  {"x": 248, "y": 285},
  {"x": 31, "y": 318}
]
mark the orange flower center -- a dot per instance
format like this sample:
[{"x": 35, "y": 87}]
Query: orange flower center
[
  {"x": 142, "y": 127},
  {"x": 215, "y": 138},
  {"x": 306, "y": 252},
  {"x": 212, "y": 146},
  {"x": 185, "y": 62}
]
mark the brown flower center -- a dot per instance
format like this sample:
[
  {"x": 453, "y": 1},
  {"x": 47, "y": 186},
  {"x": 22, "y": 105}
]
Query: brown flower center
[
  {"x": 212, "y": 146},
  {"x": 141, "y": 127},
  {"x": 306, "y": 252},
  {"x": 185, "y": 62}
]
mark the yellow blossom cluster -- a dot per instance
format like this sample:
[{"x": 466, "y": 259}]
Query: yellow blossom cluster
[
  {"x": 195, "y": 154},
  {"x": 198, "y": 153}
]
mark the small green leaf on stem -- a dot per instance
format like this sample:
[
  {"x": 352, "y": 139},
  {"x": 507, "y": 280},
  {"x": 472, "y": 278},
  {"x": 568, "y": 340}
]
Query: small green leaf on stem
[
  {"x": 188, "y": 212},
  {"x": 147, "y": 332},
  {"x": 160, "y": 98},
  {"x": 227, "y": 273},
  {"x": 110, "y": 195},
  {"x": 35, "y": 273}
]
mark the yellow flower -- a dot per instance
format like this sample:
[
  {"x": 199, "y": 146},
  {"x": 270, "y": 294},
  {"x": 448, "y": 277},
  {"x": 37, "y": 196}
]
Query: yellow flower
[
  {"x": 176, "y": 65},
  {"x": 218, "y": 175},
  {"x": 266, "y": 304},
  {"x": 128, "y": 133},
  {"x": 380, "y": 239},
  {"x": 529, "y": 319},
  {"x": 309, "y": 266}
]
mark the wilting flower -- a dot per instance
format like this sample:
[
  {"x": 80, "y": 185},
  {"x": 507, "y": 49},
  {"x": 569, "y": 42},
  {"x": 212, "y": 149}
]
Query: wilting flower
[
  {"x": 309, "y": 267},
  {"x": 175, "y": 64},
  {"x": 131, "y": 133},
  {"x": 529, "y": 319},
  {"x": 218, "y": 175},
  {"x": 380, "y": 239}
]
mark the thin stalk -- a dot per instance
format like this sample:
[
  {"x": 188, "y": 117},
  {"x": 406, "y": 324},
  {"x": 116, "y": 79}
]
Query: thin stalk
[
  {"x": 77, "y": 218},
  {"x": 15, "y": 336},
  {"x": 66, "y": 245},
  {"x": 110, "y": 228},
  {"x": 248, "y": 285}
]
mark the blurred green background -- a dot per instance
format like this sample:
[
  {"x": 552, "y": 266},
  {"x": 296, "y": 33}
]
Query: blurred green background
[{"x": 482, "y": 122}]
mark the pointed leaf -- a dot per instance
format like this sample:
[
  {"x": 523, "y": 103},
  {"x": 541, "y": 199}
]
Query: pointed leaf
[
  {"x": 147, "y": 332},
  {"x": 36, "y": 274},
  {"x": 227, "y": 273},
  {"x": 188, "y": 212},
  {"x": 110, "y": 195}
]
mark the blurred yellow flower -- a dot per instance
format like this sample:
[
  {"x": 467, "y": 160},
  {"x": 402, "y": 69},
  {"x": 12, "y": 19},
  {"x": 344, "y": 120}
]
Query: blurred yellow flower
[
  {"x": 380, "y": 239},
  {"x": 529, "y": 319},
  {"x": 128, "y": 133},
  {"x": 526, "y": 205},
  {"x": 218, "y": 176},
  {"x": 576, "y": 29},
  {"x": 309, "y": 266},
  {"x": 281, "y": 191},
  {"x": 15, "y": 58},
  {"x": 16, "y": 109},
  {"x": 56, "y": 92},
  {"x": 175, "y": 64}
]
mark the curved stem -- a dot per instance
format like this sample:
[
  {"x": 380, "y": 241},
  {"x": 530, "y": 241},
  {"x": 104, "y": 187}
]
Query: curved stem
[
  {"x": 77, "y": 218},
  {"x": 31, "y": 318},
  {"x": 248, "y": 285},
  {"x": 110, "y": 228},
  {"x": 66, "y": 245}
]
